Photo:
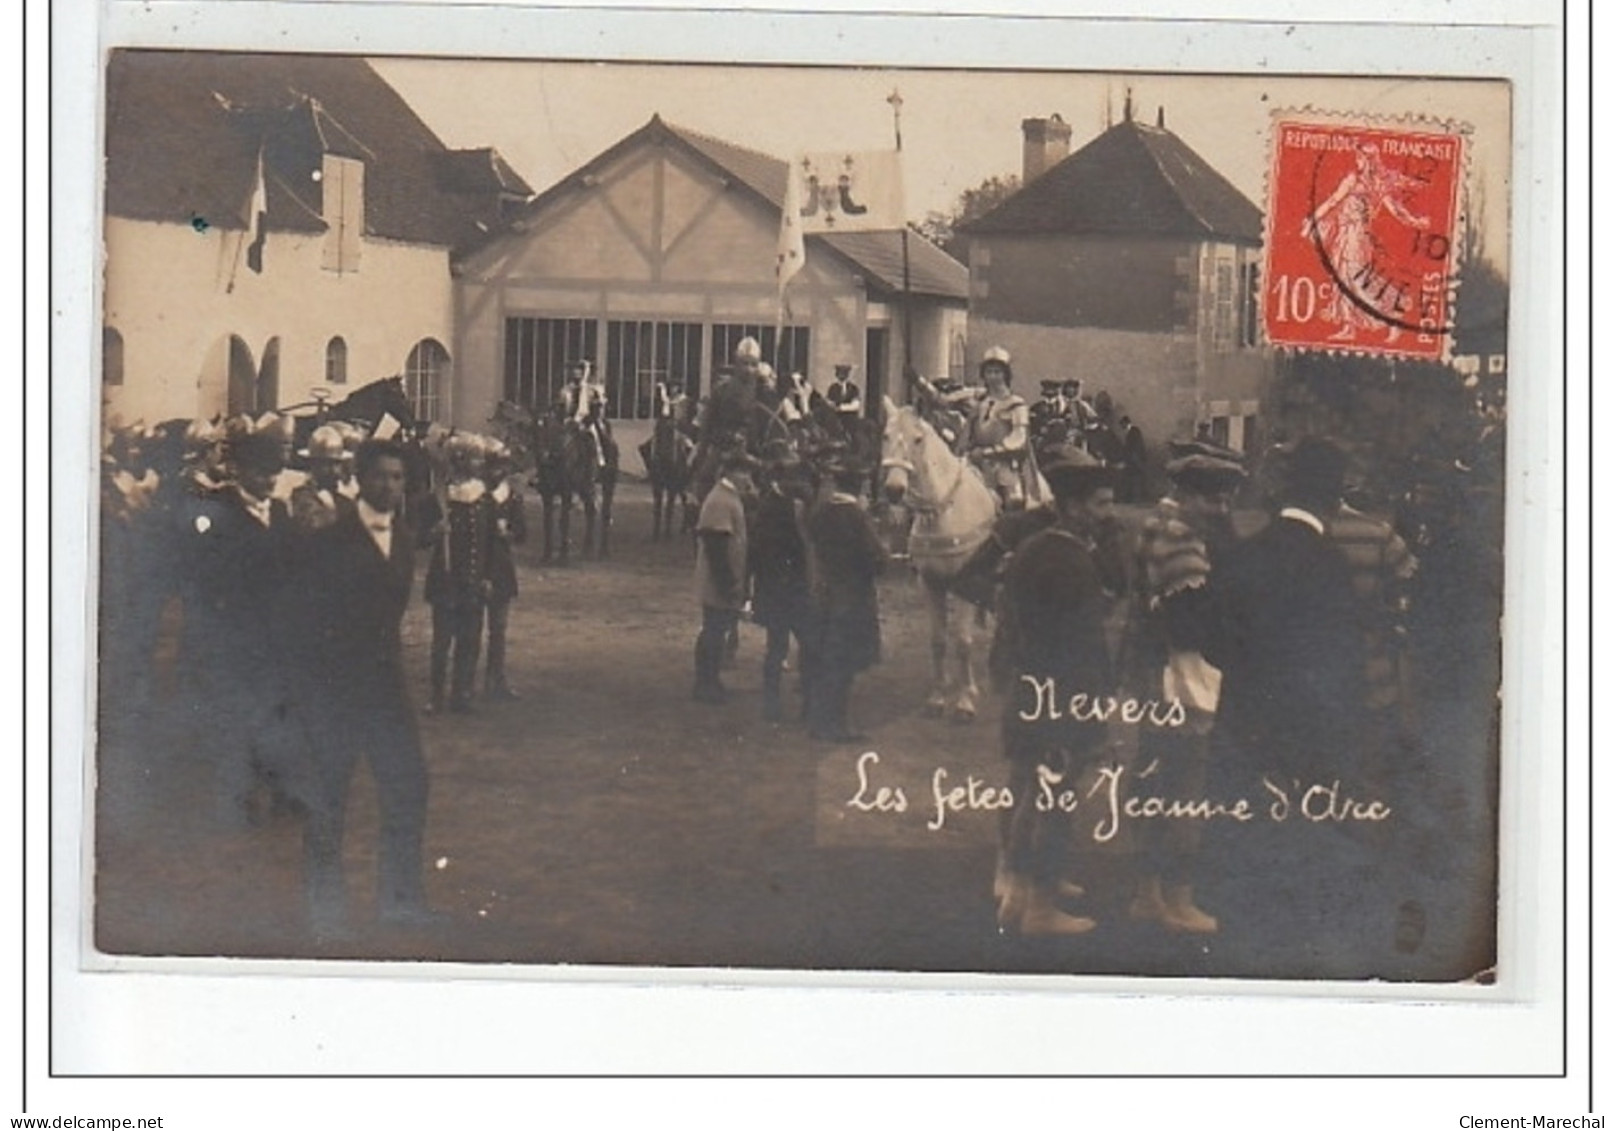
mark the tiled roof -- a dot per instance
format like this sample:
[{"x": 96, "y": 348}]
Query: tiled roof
[
  {"x": 184, "y": 130},
  {"x": 878, "y": 256},
  {"x": 1133, "y": 179}
]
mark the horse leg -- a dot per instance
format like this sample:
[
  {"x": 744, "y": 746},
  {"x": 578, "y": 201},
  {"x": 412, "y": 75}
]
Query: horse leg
[
  {"x": 655, "y": 509},
  {"x": 549, "y": 526},
  {"x": 936, "y": 606},
  {"x": 587, "y": 499},
  {"x": 608, "y": 488},
  {"x": 963, "y": 708},
  {"x": 566, "y": 526}
]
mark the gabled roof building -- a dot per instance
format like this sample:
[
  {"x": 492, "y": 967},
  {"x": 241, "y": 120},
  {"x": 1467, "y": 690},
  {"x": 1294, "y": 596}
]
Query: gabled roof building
[
  {"x": 1132, "y": 266},
  {"x": 278, "y": 225},
  {"x": 656, "y": 257}
]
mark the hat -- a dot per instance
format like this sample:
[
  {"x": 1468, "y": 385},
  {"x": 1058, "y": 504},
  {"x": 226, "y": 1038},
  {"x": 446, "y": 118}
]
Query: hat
[
  {"x": 1316, "y": 469},
  {"x": 1049, "y": 386},
  {"x": 843, "y": 368},
  {"x": 748, "y": 349},
  {"x": 255, "y": 451},
  {"x": 1180, "y": 449},
  {"x": 997, "y": 355},
  {"x": 1205, "y": 474},
  {"x": 1071, "y": 387},
  {"x": 1067, "y": 468},
  {"x": 325, "y": 443}
]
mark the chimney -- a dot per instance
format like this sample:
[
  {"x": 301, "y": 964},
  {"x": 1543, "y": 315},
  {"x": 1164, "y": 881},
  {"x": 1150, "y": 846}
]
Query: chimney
[{"x": 1047, "y": 142}]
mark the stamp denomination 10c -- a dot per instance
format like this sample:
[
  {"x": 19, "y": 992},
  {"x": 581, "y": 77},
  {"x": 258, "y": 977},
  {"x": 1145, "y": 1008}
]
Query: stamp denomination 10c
[{"x": 1363, "y": 236}]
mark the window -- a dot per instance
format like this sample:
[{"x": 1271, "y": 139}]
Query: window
[
  {"x": 538, "y": 352},
  {"x": 1250, "y": 322},
  {"x": 342, "y": 206},
  {"x": 639, "y": 354},
  {"x": 1222, "y": 320},
  {"x": 956, "y": 358},
  {"x": 791, "y": 356},
  {"x": 111, "y": 356},
  {"x": 424, "y": 375},
  {"x": 336, "y": 362}
]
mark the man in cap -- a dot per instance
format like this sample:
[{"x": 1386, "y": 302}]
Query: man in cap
[
  {"x": 458, "y": 525},
  {"x": 236, "y": 570},
  {"x": 846, "y": 399},
  {"x": 848, "y": 555},
  {"x": 1049, "y": 420},
  {"x": 999, "y": 430},
  {"x": 1053, "y": 611},
  {"x": 777, "y": 560},
  {"x": 1179, "y": 546},
  {"x": 720, "y": 570},
  {"x": 318, "y": 501},
  {"x": 509, "y": 531},
  {"x": 1288, "y": 642},
  {"x": 355, "y": 592}
]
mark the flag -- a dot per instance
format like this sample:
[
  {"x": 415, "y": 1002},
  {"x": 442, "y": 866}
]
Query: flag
[
  {"x": 790, "y": 253},
  {"x": 845, "y": 191},
  {"x": 257, "y": 211}
]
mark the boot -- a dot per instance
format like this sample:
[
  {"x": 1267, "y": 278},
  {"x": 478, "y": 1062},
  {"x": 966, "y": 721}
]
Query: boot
[
  {"x": 1042, "y": 917},
  {"x": 1149, "y": 904},
  {"x": 1183, "y": 915}
]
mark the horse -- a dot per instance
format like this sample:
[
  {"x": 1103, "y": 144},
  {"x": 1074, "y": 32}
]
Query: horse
[
  {"x": 569, "y": 465},
  {"x": 669, "y": 466},
  {"x": 954, "y": 512}
]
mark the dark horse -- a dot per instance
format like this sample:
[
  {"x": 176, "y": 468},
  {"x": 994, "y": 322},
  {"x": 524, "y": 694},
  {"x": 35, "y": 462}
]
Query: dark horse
[
  {"x": 669, "y": 463},
  {"x": 568, "y": 464}
]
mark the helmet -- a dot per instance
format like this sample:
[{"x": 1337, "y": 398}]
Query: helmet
[
  {"x": 998, "y": 355},
  {"x": 748, "y": 349},
  {"x": 326, "y": 443}
]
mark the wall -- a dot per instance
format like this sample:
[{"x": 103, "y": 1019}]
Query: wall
[
  {"x": 169, "y": 293},
  {"x": 1120, "y": 284}
]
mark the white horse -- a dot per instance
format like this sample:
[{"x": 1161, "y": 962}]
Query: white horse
[{"x": 954, "y": 511}]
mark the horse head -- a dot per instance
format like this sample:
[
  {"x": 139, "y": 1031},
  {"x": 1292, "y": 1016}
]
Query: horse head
[{"x": 916, "y": 465}]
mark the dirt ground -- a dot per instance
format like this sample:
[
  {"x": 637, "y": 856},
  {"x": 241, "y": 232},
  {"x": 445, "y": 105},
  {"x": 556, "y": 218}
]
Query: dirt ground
[{"x": 604, "y": 818}]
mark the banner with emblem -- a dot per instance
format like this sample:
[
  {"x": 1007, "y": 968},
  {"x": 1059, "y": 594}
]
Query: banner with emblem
[{"x": 846, "y": 191}]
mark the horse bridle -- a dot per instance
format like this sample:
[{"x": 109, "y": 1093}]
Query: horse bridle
[{"x": 919, "y": 505}]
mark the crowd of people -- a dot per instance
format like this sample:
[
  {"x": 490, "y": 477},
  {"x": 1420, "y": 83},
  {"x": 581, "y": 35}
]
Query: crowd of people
[
  {"x": 292, "y": 567},
  {"x": 1281, "y": 654}
]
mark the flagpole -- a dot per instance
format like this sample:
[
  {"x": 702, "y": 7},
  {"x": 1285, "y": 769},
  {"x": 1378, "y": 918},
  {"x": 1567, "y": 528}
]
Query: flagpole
[{"x": 876, "y": 395}]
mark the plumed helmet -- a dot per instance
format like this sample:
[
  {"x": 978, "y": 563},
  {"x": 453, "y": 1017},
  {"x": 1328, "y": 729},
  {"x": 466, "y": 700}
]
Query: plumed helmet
[
  {"x": 748, "y": 349},
  {"x": 326, "y": 443}
]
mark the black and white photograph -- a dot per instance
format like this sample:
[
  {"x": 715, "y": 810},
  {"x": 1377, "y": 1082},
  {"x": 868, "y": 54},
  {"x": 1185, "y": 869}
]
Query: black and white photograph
[
  {"x": 885, "y": 511},
  {"x": 800, "y": 518}
]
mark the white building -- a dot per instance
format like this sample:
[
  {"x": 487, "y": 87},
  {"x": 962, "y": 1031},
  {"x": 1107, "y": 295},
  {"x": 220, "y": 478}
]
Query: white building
[{"x": 278, "y": 226}]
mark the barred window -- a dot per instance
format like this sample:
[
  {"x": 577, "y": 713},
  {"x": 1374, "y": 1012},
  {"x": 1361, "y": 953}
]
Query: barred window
[
  {"x": 640, "y": 354},
  {"x": 538, "y": 352},
  {"x": 1223, "y": 318},
  {"x": 336, "y": 362}
]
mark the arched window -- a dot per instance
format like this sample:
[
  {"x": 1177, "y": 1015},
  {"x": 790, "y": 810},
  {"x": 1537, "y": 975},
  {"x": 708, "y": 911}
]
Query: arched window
[
  {"x": 956, "y": 357},
  {"x": 336, "y": 362},
  {"x": 424, "y": 374},
  {"x": 111, "y": 356}
]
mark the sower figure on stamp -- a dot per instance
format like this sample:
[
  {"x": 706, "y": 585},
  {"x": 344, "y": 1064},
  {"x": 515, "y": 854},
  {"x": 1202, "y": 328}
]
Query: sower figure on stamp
[
  {"x": 847, "y": 556},
  {"x": 1288, "y": 641},
  {"x": 1054, "y": 605},
  {"x": 458, "y": 526},
  {"x": 1180, "y": 544},
  {"x": 509, "y": 531},
  {"x": 356, "y": 582},
  {"x": 778, "y": 561},
  {"x": 720, "y": 571}
]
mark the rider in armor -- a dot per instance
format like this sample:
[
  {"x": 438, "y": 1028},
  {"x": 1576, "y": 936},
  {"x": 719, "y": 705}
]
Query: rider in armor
[
  {"x": 999, "y": 430},
  {"x": 584, "y": 403}
]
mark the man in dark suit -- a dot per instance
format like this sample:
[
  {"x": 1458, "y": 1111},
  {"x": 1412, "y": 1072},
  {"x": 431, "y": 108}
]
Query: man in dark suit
[
  {"x": 357, "y": 581},
  {"x": 847, "y": 556},
  {"x": 1287, "y": 640}
]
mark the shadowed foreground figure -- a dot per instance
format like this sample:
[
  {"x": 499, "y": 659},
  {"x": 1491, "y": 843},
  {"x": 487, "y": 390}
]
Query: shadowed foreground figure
[{"x": 357, "y": 583}]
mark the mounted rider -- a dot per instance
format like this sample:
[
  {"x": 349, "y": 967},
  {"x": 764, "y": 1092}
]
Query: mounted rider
[
  {"x": 583, "y": 402},
  {"x": 1000, "y": 431}
]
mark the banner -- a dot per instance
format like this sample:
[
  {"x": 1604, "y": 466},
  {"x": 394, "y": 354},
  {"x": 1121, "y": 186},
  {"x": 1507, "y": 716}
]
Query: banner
[{"x": 849, "y": 192}]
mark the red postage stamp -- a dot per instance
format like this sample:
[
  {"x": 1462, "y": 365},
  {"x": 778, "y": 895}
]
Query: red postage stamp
[{"x": 1362, "y": 238}]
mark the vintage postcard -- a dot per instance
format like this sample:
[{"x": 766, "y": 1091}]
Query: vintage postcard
[{"x": 801, "y": 519}]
